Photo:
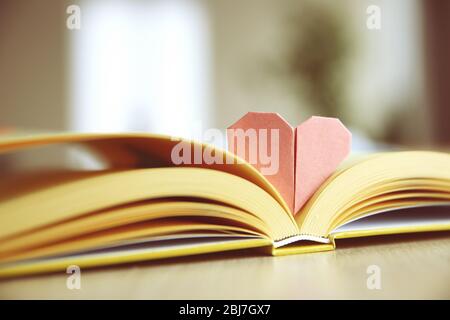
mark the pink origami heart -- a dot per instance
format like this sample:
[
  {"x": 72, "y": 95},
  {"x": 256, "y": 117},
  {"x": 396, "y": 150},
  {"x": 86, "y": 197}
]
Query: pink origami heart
[
  {"x": 305, "y": 156},
  {"x": 282, "y": 178}
]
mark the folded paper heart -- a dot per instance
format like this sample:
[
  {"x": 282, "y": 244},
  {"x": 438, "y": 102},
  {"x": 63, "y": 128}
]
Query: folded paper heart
[{"x": 295, "y": 160}]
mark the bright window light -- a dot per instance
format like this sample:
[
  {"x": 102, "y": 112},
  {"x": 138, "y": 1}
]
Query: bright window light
[{"x": 140, "y": 66}]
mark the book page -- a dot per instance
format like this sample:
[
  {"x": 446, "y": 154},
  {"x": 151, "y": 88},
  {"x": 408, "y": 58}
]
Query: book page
[{"x": 406, "y": 218}]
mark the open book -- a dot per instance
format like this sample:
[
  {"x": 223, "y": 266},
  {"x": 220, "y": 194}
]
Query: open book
[{"x": 144, "y": 207}]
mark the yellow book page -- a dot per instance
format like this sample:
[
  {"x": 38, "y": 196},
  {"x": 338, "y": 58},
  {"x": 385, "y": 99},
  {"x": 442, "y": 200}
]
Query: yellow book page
[
  {"x": 132, "y": 214},
  {"x": 138, "y": 150},
  {"x": 384, "y": 219},
  {"x": 49, "y": 209},
  {"x": 128, "y": 256},
  {"x": 397, "y": 176},
  {"x": 117, "y": 236},
  {"x": 75, "y": 194},
  {"x": 390, "y": 231}
]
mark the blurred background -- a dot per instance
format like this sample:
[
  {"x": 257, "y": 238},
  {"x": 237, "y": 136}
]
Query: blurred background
[{"x": 170, "y": 66}]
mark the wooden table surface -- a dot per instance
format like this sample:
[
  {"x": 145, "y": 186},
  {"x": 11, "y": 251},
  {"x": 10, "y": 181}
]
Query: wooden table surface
[{"x": 411, "y": 266}]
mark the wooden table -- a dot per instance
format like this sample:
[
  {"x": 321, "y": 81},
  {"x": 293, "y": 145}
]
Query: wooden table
[{"x": 411, "y": 266}]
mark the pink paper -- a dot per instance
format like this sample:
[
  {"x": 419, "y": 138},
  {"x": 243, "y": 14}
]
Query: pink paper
[
  {"x": 321, "y": 145},
  {"x": 280, "y": 171},
  {"x": 296, "y": 163}
]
